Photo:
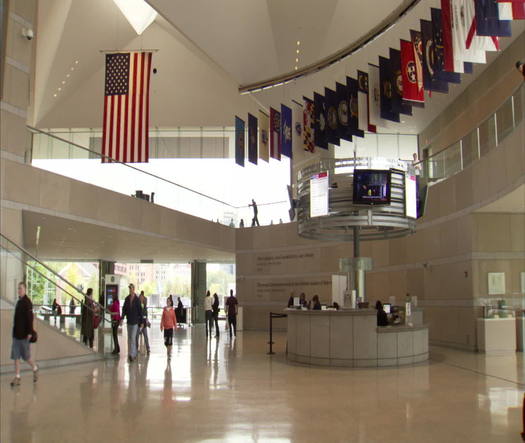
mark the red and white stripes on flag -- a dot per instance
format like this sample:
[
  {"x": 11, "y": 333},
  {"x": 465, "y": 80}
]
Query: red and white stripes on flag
[{"x": 126, "y": 107}]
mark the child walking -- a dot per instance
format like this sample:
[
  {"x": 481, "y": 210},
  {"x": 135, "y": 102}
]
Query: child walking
[{"x": 167, "y": 324}]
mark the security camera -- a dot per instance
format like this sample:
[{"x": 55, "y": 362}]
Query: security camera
[{"x": 28, "y": 33}]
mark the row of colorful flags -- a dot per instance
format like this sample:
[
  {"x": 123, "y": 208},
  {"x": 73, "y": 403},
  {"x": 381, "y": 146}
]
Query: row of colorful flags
[{"x": 456, "y": 36}]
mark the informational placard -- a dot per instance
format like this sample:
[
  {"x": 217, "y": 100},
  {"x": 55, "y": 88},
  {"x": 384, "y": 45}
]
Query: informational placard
[
  {"x": 410, "y": 196},
  {"x": 496, "y": 283},
  {"x": 319, "y": 195}
]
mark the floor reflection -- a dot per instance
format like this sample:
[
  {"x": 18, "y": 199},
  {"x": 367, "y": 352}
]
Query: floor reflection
[{"x": 230, "y": 390}]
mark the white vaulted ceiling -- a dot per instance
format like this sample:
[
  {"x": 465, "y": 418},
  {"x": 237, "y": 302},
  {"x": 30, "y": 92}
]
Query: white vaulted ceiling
[{"x": 207, "y": 49}]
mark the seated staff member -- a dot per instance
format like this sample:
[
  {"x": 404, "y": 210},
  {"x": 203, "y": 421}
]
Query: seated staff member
[
  {"x": 382, "y": 318},
  {"x": 316, "y": 304}
]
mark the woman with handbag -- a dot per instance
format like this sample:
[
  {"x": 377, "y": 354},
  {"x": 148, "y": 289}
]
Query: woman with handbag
[{"x": 87, "y": 316}]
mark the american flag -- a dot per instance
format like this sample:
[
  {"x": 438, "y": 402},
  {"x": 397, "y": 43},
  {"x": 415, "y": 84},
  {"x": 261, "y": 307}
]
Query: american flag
[{"x": 126, "y": 107}]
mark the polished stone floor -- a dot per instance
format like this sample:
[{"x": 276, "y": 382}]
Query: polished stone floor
[{"x": 233, "y": 391}]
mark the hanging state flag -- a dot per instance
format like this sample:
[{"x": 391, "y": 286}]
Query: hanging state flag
[
  {"x": 374, "y": 97},
  {"x": 275, "y": 134},
  {"x": 511, "y": 10},
  {"x": 411, "y": 90},
  {"x": 286, "y": 131},
  {"x": 332, "y": 126},
  {"x": 264, "y": 136},
  {"x": 398, "y": 104},
  {"x": 517, "y": 9},
  {"x": 488, "y": 22},
  {"x": 431, "y": 82},
  {"x": 125, "y": 127},
  {"x": 297, "y": 127},
  {"x": 463, "y": 16},
  {"x": 352, "y": 88},
  {"x": 320, "y": 128},
  {"x": 363, "y": 102},
  {"x": 439, "y": 49},
  {"x": 386, "y": 91},
  {"x": 417, "y": 45},
  {"x": 239, "y": 141},
  {"x": 252, "y": 139},
  {"x": 446, "y": 27},
  {"x": 343, "y": 114},
  {"x": 308, "y": 125}
]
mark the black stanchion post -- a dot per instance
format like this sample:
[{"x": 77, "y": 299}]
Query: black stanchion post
[{"x": 271, "y": 335}]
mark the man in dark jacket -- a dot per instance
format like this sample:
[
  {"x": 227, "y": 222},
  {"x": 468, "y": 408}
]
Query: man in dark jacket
[
  {"x": 22, "y": 333},
  {"x": 133, "y": 312}
]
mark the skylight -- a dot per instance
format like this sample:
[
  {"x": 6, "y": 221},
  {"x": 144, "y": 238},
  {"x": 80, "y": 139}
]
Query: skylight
[{"x": 138, "y": 13}]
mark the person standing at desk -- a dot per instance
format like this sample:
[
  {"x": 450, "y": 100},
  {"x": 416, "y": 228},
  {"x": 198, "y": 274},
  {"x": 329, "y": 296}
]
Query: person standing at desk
[{"x": 382, "y": 318}]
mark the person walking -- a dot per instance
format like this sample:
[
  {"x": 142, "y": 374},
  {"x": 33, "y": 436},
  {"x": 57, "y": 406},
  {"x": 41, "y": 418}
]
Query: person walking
[
  {"x": 208, "y": 312},
  {"x": 23, "y": 334},
  {"x": 143, "y": 327},
  {"x": 115, "y": 322},
  {"x": 133, "y": 313},
  {"x": 231, "y": 309},
  {"x": 72, "y": 306},
  {"x": 87, "y": 319},
  {"x": 168, "y": 323},
  {"x": 215, "y": 310},
  {"x": 255, "y": 219}
]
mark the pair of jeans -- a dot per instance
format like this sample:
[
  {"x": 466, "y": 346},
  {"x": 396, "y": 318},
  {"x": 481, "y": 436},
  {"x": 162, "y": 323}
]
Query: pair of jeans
[
  {"x": 232, "y": 322},
  {"x": 209, "y": 322},
  {"x": 144, "y": 333},
  {"x": 216, "y": 321},
  {"x": 114, "y": 330},
  {"x": 132, "y": 340}
]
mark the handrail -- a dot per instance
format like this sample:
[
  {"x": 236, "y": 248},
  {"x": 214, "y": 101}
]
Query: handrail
[
  {"x": 21, "y": 249},
  {"x": 102, "y": 156},
  {"x": 420, "y": 162}
]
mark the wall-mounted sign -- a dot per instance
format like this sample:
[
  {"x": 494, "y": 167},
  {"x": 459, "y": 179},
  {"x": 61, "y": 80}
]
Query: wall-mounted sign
[
  {"x": 319, "y": 195},
  {"x": 496, "y": 283}
]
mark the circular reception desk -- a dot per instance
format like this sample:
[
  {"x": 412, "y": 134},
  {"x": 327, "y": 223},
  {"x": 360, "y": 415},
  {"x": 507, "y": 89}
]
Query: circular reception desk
[{"x": 350, "y": 338}]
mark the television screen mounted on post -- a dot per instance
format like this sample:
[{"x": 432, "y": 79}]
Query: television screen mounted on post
[{"x": 371, "y": 187}]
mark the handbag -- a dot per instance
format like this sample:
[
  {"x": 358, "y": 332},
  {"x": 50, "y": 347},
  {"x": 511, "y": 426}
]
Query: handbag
[
  {"x": 34, "y": 337},
  {"x": 96, "y": 321}
]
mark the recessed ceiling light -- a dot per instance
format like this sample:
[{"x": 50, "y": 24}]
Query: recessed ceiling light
[
  {"x": 60, "y": 89},
  {"x": 68, "y": 75},
  {"x": 54, "y": 95},
  {"x": 63, "y": 82},
  {"x": 296, "y": 68},
  {"x": 297, "y": 51},
  {"x": 76, "y": 62},
  {"x": 72, "y": 68},
  {"x": 296, "y": 60},
  {"x": 298, "y": 42}
]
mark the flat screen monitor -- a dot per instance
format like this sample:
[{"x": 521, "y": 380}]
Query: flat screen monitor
[
  {"x": 371, "y": 187},
  {"x": 387, "y": 307}
]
